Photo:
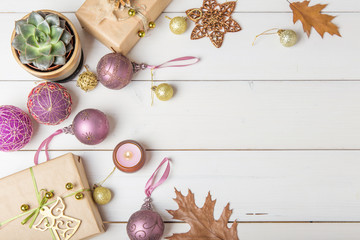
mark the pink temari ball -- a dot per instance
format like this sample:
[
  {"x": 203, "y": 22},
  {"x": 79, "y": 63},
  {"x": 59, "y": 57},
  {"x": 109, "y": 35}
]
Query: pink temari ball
[
  {"x": 15, "y": 128},
  {"x": 49, "y": 103}
]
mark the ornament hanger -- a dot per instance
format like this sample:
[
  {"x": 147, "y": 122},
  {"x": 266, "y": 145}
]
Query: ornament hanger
[
  {"x": 288, "y": 37},
  {"x": 139, "y": 221},
  {"x": 164, "y": 91},
  {"x": 150, "y": 185}
]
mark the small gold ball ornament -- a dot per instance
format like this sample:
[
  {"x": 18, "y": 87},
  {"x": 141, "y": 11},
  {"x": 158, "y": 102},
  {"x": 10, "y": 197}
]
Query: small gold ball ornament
[
  {"x": 178, "y": 25},
  {"x": 69, "y": 186},
  {"x": 49, "y": 195},
  {"x": 141, "y": 33},
  {"x": 102, "y": 195},
  {"x": 131, "y": 12},
  {"x": 288, "y": 37},
  {"x": 79, "y": 196},
  {"x": 152, "y": 25},
  {"x": 87, "y": 81},
  {"x": 25, "y": 207},
  {"x": 163, "y": 92}
]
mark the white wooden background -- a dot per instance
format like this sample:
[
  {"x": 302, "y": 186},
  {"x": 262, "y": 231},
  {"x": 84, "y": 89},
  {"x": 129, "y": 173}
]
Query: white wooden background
[{"x": 274, "y": 131}]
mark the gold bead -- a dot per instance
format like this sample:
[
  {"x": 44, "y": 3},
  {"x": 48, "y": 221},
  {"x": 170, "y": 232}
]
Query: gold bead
[
  {"x": 141, "y": 33},
  {"x": 163, "y": 92},
  {"x": 152, "y": 25},
  {"x": 131, "y": 12},
  {"x": 87, "y": 81},
  {"x": 79, "y": 196},
  {"x": 69, "y": 186},
  {"x": 25, "y": 207},
  {"x": 288, "y": 38},
  {"x": 178, "y": 25},
  {"x": 49, "y": 195},
  {"x": 102, "y": 195}
]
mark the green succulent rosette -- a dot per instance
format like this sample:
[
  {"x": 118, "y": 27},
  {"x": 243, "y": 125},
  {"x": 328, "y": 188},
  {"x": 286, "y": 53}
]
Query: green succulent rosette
[{"x": 42, "y": 40}]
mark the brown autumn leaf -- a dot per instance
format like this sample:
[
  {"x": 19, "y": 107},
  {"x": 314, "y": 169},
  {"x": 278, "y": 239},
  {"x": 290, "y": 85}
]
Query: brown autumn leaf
[
  {"x": 201, "y": 220},
  {"x": 312, "y": 17}
]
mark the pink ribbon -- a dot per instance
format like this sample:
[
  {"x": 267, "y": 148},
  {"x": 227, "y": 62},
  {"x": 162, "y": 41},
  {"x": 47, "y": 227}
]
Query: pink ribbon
[
  {"x": 150, "y": 185},
  {"x": 45, "y": 144},
  {"x": 165, "y": 64}
]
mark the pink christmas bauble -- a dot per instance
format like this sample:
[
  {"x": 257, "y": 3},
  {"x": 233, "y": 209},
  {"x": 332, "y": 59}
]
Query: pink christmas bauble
[
  {"x": 114, "y": 70},
  {"x": 145, "y": 224},
  {"x": 15, "y": 128},
  {"x": 90, "y": 126},
  {"x": 49, "y": 103}
]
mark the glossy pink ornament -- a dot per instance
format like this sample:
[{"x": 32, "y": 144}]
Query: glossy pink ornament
[
  {"x": 15, "y": 128},
  {"x": 90, "y": 126},
  {"x": 49, "y": 103},
  {"x": 114, "y": 70},
  {"x": 145, "y": 223}
]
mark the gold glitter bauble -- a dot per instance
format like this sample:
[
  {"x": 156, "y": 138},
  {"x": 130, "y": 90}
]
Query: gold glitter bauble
[
  {"x": 288, "y": 38},
  {"x": 102, "y": 195},
  {"x": 178, "y": 25},
  {"x": 163, "y": 92},
  {"x": 87, "y": 81}
]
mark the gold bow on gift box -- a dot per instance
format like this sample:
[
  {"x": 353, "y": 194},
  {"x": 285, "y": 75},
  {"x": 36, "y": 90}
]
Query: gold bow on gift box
[
  {"x": 114, "y": 10},
  {"x": 119, "y": 3}
]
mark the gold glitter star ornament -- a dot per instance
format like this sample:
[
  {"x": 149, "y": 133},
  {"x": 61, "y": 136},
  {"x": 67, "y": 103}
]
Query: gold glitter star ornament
[{"x": 213, "y": 20}]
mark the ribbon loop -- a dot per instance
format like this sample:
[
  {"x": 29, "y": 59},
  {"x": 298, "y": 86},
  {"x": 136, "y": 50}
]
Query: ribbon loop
[
  {"x": 45, "y": 144},
  {"x": 150, "y": 185},
  {"x": 166, "y": 64}
]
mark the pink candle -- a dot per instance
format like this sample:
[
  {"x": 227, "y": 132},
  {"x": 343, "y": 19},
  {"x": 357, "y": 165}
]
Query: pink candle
[{"x": 129, "y": 156}]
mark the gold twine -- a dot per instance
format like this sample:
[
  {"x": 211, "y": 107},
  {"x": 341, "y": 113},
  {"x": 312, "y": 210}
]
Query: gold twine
[
  {"x": 265, "y": 33},
  {"x": 152, "y": 86},
  {"x": 103, "y": 181}
]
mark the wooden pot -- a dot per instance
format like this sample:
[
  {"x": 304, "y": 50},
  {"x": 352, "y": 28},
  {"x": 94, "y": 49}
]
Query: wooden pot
[{"x": 71, "y": 64}]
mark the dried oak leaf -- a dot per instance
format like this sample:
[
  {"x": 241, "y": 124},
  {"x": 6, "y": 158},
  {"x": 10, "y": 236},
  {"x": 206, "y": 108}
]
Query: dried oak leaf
[
  {"x": 201, "y": 220},
  {"x": 312, "y": 17}
]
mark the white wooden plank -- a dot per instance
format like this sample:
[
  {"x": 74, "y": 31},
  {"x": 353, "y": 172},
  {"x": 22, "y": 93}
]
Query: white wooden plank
[
  {"x": 278, "y": 185},
  {"x": 180, "y": 5},
  {"x": 236, "y": 59},
  {"x": 210, "y": 115},
  {"x": 258, "y": 231}
]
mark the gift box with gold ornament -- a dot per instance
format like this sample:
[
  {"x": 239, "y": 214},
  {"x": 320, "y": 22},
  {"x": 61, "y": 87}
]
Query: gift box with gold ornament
[
  {"x": 49, "y": 201},
  {"x": 119, "y": 24}
]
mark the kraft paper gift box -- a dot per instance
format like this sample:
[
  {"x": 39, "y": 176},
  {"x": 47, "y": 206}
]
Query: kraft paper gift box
[
  {"x": 20, "y": 188},
  {"x": 115, "y": 28}
]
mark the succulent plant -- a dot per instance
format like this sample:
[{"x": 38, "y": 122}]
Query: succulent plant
[{"x": 42, "y": 40}]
